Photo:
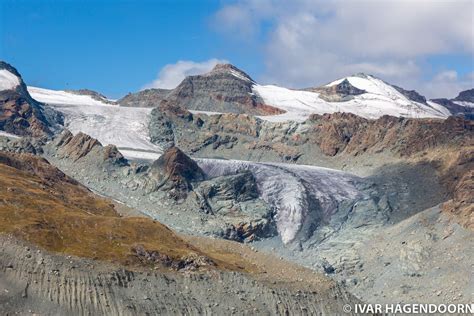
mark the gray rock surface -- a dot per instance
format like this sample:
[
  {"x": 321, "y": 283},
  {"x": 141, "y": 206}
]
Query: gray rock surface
[
  {"x": 466, "y": 96},
  {"x": 224, "y": 89},
  {"x": 144, "y": 98},
  {"x": 33, "y": 281},
  {"x": 173, "y": 189}
]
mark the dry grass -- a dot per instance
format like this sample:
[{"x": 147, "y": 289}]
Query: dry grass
[{"x": 62, "y": 216}]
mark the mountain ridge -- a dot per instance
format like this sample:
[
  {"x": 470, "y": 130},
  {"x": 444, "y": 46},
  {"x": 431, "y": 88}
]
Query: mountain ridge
[{"x": 228, "y": 89}]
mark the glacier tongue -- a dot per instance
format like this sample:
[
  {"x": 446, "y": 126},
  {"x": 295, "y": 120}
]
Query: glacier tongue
[{"x": 300, "y": 195}]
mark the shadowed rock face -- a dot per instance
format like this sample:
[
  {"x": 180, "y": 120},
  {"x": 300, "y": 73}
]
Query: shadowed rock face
[
  {"x": 411, "y": 94},
  {"x": 22, "y": 115},
  {"x": 224, "y": 89},
  {"x": 459, "y": 109}
]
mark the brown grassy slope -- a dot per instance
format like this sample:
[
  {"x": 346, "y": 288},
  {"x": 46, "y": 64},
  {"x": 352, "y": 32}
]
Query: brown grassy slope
[{"x": 41, "y": 205}]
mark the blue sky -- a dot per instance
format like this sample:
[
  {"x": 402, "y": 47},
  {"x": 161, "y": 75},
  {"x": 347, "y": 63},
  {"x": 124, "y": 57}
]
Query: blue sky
[
  {"x": 108, "y": 46},
  {"x": 116, "y": 47}
]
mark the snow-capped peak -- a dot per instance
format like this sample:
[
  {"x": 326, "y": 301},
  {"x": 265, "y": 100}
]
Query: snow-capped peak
[
  {"x": 372, "y": 85},
  {"x": 374, "y": 98}
]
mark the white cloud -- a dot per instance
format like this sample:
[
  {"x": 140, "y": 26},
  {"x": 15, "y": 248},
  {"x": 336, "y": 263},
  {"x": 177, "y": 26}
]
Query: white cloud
[
  {"x": 448, "y": 75},
  {"x": 447, "y": 84},
  {"x": 171, "y": 75},
  {"x": 310, "y": 42}
]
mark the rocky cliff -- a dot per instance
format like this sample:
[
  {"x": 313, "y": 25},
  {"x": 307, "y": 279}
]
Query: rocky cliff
[
  {"x": 333, "y": 134},
  {"x": 19, "y": 113}
]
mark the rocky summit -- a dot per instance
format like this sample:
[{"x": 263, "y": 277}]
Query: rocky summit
[
  {"x": 19, "y": 112},
  {"x": 225, "y": 196},
  {"x": 224, "y": 89}
]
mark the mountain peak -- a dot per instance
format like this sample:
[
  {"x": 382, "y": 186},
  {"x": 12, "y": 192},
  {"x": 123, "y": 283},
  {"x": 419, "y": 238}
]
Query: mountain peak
[
  {"x": 230, "y": 69},
  {"x": 466, "y": 96},
  {"x": 363, "y": 75}
]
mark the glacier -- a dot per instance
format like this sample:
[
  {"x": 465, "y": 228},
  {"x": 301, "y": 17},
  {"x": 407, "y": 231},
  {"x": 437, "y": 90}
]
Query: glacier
[
  {"x": 301, "y": 195},
  {"x": 125, "y": 127}
]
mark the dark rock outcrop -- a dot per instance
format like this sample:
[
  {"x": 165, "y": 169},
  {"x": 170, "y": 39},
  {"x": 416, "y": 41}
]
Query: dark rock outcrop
[
  {"x": 343, "y": 91},
  {"x": 240, "y": 187},
  {"x": 466, "y": 96},
  {"x": 144, "y": 98},
  {"x": 20, "y": 114},
  {"x": 339, "y": 132},
  {"x": 175, "y": 171},
  {"x": 456, "y": 108},
  {"x": 411, "y": 94},
  {"x": 459, "y": 179},
  {"x": 75, "y": 147}
]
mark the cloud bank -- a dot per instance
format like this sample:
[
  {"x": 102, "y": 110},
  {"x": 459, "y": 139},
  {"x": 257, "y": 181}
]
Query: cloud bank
[
  {"x": 171, "y": 75},
  {"x": 310, "y": 42}
]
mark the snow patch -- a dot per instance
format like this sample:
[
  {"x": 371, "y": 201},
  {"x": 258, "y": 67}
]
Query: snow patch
[
  {"x": 465, "y": 104},
  {"x": 140, "y": 154},
  {"x": 8, "y": 81},
  {"x": 239, "y": 75},
  {"x": 439, "y": 107},
  {"x": 5, "y": 134},
  {"x": 63, "y": 97},
  {"x": 204, "y": 112}
]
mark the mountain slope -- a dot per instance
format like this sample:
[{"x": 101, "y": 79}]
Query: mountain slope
[
  {"x": 224, "y": 89},
  {"x": 363, "y": 95},
  {"x": 125, "y": 127},
  {"x": 463, "y": 104},
  {"x": 144, "y": 98},
  {"x": 67, "y": 250},
  {"x": 20, "y": 114}
]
